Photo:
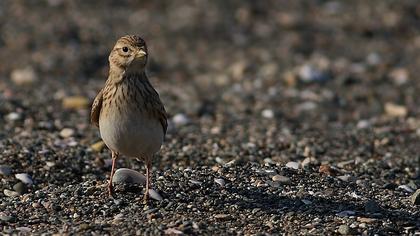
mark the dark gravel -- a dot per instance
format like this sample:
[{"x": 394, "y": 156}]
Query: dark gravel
[{"x": 287, "y": 117}]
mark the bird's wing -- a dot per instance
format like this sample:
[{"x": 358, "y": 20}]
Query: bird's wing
[
  {"x": 160, "y": 112},
  {"x": 96, "y": 109},
  {"x": 156, "y": 106}
]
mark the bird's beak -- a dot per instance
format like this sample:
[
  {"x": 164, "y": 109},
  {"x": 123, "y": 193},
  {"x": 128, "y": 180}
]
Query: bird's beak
[{"x": 141, "y": 53}]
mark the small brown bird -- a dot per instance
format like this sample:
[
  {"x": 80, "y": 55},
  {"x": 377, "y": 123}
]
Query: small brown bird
[{"x": 131, "y": 118}]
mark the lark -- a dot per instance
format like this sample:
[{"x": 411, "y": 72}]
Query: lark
[{"x": 128, "y": 111}]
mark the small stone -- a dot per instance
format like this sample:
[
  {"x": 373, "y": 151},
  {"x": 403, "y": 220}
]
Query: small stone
[
  {"x": 21, "y": 188},
  {"x": 125, "y": 175},
  {"x": 327, "y": 169},
  {"x": 344, "y": 230},
  {"x": 5, "y": 218},
  {"x": 344, "y": 164},
  {"x": 372, "y": 206},
  {"x": 267, "y": 113},
  {"x": 75, "y": 102},
  {"x": 415, "y": 198},
  {"x": 155, "y": 195},
  {"x": 66, "y": 133},
  {"x": 281, "y": 179},
  {"x": 195, "y": 182},
  {"x": 5, "y": 170},
  {"x": 406, "y": 188},
  {"x": 306, "y": 202},
  {"x": 98, "y": 146},
  {"x": 180, "y": 119},
  {"x": 13, "y": 116},
  {"x": 309, "y": 73},
  {"x": 173, "y": 231},
  {"x": 399, "y": 76},
  {"x": 363, "y": 124},
  {"x": 10, "y": 193},
  {"x": 220, "y": 182},
  {"x": 366, "y": 220},
  {"x": 25, "y": 178},
  {"x": 221, "y": 216},
  {"x": 24, "y": 76},
  {"x": 306, "y": 106},
  {"x": 395, "y": 110},
  {"x": 293, "y": 165},
  {"x": 345, "y": 178}
]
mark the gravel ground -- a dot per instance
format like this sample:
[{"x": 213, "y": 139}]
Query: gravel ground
[{"x": 286, "y": 117}]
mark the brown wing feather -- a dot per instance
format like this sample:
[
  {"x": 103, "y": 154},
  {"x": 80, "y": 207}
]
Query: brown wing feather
[
  {"x": 160, "y": 112},
  {"x": 96, "y": 109},
  {"x": 156, "y": 106}
]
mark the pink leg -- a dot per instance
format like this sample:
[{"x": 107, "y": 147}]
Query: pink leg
[
  {"x": 110, "y": 186},
  {"x": 148, "y": 180}
]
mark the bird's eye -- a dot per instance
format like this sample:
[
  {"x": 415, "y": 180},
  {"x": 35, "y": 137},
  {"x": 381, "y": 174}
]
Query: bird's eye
[{"x": 125, "y": 49}]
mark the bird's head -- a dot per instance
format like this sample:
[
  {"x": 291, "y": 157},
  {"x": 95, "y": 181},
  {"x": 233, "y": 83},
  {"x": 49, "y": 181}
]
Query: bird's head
[{"x": 129, "y": 54}]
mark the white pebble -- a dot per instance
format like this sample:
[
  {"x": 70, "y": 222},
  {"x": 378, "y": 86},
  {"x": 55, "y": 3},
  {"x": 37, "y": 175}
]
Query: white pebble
[
  {"x": 406, "y": 188},
  {"x": 12, "y": 116},
  {"x": 25, "y": 178},
  {"x": 220, "y": 182},
  {"x": 23, "y": 76},
  {"x": 293, "y": 165},
  {"x": 180, "y": 119},
  {"x": 267, "y": 113},
  {"x": 66, "y": 132}
]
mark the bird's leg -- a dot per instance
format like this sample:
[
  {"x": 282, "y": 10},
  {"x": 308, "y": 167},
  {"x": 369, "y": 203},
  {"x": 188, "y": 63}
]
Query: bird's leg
[
  {"x": 148, "y": 179},
  {"x": 110, "y": 186}
]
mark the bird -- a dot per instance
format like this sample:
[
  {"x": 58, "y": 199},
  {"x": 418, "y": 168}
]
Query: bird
[{"x": 131, "y": 117}]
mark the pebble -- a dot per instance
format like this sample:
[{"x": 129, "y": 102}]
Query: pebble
[
  {"x": 98, "y": 146},
  {"x": 267, "y": 113},
  {"x": 345, "y": 178},
  {"x": 180, "y": 119},
  {"x": 327, "y": 169},
  {"x": 343, "y": 164},
  {"x": 5, "y": 218},
  {"x": 415, "y": 198},
  {"x": 5, "y": 170},
  {"x": 75, "y": 102},
  {"x": 13, "y": 116},
  {"x": 220, "y": 182},
  {"x": 173, "y": 231},
  {"x": 25, "y": 178},
  {"x": 293, "y": 165},
  {"x": 399, "y": 76},
  {"x": 395, "y": 110},
  {"x": 21, "y": 188},
  {"x": 10, "y": 193},
  {"x": 363, "y": 124},
  {"x": 66, "y": 132},
  {"x": 344, "y": 230},
  {"x": 346, "y": 213},
  {"x": 125, "y": 175},
  {"x": 281, "y": 179},
  {"x": 309, "y": 73},
  {"x": 406, "y": 188},
  {"x": 24, "y": 76},
  {"x": 195, "y": 182},
  {"x": 221, "y": 216},
  {"x": 366, "y": 220},
  {"x": 155, "y": 195}
]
